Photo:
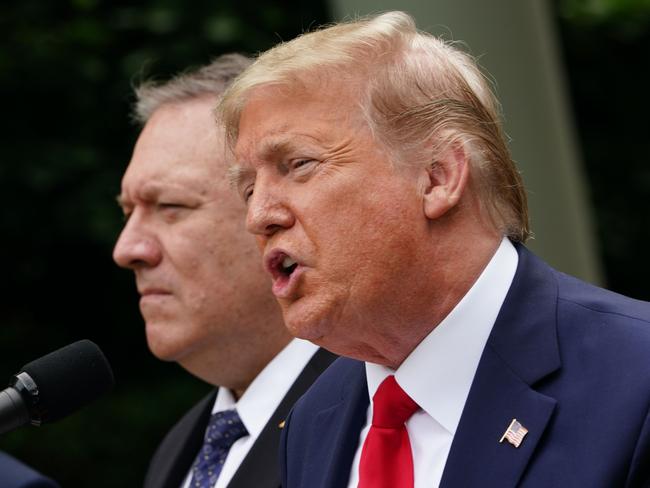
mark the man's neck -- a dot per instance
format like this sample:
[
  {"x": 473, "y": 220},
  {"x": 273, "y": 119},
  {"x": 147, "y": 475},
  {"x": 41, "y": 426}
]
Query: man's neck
[{"x": 451, "y": 278}]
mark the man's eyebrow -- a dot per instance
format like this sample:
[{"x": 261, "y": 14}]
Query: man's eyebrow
[
  {"x": 237, "y": 173},
  {"x": 276, "y": 146},
  {"x": 270, "y": 149},
  {"x": 147, "y": 192}
]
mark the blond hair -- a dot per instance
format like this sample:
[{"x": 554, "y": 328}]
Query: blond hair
[
  {"x": 420, "y": 96},
  {"x": 209, "y": 80}
]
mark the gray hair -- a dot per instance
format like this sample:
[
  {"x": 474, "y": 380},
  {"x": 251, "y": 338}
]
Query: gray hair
[
  {"x": 420, "y": 96},
  {"x": 209, "y": 80}
]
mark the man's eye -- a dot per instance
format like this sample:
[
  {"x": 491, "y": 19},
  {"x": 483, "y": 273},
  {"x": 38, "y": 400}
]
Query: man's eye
[
  {"x": 300, "y": 163},
  {"x": 248, "y": 193},
  {"x": 302, "y": 166},
  {"x": 170, "y": 209}
]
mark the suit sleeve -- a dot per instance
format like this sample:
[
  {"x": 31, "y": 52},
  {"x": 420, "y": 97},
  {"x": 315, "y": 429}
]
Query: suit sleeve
[
  {"x": 15, "y": 474},
  {"x": 639, "y": 476}
]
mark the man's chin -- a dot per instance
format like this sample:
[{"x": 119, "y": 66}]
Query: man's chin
[
  {"x": 163, "y": 345},
  {"x": 305, "y": 324}
]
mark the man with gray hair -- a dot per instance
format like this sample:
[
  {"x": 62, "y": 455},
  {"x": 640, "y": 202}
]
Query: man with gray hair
[
  {"x": 205, "y": 299},
  {"x": 392, "y": 221}
]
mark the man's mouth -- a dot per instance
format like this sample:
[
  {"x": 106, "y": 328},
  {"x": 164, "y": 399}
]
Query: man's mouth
[
  {"x": 153, "y": 291},
  {"x": 284, "y": 270},
  {"x": 153, "y": 295},
  {"x": 288, "y": 266}
]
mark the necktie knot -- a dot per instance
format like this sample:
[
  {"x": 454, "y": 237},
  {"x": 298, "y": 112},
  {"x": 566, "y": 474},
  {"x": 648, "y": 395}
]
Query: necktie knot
[
  {"x": 224, "y": 428},
  {"x": 391, "y": 405},
  {"x": 386, "y": 458}
]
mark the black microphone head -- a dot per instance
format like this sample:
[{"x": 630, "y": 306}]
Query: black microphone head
[{"x": 68, "y": 379}]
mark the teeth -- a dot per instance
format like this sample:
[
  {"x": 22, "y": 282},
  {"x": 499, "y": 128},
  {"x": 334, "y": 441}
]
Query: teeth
[{"x": 287, "y": 262}]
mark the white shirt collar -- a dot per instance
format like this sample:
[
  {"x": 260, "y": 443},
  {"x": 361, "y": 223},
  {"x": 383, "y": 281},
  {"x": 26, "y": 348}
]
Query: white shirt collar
[
  {"x": 267, "y": 390},
  {"x": 439, "y": 372}
]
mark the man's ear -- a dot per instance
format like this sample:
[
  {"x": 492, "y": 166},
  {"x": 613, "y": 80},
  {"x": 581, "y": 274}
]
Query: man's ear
[{"x": 445, "y": 181}]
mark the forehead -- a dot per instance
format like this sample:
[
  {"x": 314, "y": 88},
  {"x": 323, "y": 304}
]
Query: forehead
[
  {"x": 179, "y": 146},
  {"x": 275, "y": 119}
]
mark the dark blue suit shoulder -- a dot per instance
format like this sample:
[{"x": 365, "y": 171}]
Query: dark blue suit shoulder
[
  {"x": 15, "y": 474},
  {"x": 600, "y": 300},
  {"x": 332, "y": 384},
  {"x": 619, "y": 324},
  {"x": 604, "y": 339}
]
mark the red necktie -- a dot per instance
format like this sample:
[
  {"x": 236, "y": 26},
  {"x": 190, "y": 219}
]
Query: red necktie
[{"x": 386, "y": 459}]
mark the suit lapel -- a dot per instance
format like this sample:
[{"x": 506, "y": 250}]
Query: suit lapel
[
  {"x": 336, "y": 430},
  {"x": 476, "y": 458},
  {"x": 260, "y": 466},
  {"x": 521, "y": 350},
  {"x": 176, "y": 454}
]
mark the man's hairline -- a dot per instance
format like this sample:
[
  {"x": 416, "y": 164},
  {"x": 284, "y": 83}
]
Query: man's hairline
[{"x": 181, "y": 100}]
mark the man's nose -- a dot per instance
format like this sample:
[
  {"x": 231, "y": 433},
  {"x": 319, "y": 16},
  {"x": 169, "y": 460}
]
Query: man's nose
[
  {"x": 268, "y": 210},
  {"x": 136, "y": 247}
]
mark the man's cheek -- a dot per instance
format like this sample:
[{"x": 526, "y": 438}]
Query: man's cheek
[{"x": 261, "y": 243}]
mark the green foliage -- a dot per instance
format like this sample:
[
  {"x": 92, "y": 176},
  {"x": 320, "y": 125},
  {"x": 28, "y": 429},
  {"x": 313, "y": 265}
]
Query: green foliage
[
  {"x": 628, "y": 17},
  {"x": 605, "y": 53},
  {"x": 603, "y": 10}
]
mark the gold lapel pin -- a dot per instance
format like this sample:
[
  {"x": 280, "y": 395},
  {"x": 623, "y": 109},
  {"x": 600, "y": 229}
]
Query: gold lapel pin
[
  {"x": 281, "y": 425},
  {"x": 515, "y": 433}
]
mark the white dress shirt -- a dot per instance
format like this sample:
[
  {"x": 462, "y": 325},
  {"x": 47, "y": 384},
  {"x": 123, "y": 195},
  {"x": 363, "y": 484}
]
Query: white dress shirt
[
  {"x": 259, "y": 401},
  {"x": 438, "y": 373}
]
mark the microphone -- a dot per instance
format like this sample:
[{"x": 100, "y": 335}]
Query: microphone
[{"x": 55, "y": 385}]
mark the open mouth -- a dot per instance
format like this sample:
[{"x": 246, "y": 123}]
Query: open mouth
[
  {"x": 283, "y": 269},
  {"x": 287, "y": 266},
  {"x": 281, "y": 265}
]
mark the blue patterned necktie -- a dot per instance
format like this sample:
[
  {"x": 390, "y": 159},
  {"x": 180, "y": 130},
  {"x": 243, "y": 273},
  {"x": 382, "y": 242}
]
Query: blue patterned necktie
[{"x": 223, "y": 430}]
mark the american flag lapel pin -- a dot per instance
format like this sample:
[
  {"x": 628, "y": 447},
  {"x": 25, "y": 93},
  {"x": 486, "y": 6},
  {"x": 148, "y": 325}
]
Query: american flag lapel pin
[{"x": 515, "y": 433}]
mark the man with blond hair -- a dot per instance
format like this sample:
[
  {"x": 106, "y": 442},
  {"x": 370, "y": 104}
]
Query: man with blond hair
[
  {"x": 205, "y": 299},
  {"x": 392, "y": 221}
]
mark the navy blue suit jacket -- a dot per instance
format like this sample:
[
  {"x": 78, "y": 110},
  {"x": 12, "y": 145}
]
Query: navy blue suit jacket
[
  {"x": 568, "y": 360},
  {"x": 14, "y": 474}
]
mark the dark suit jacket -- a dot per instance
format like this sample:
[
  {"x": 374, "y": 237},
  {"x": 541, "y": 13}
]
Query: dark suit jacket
[
  {"x": 568, "y": 360},
  {"x": 175, "y": 455},
  {"x": 14, "y": 474}
]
